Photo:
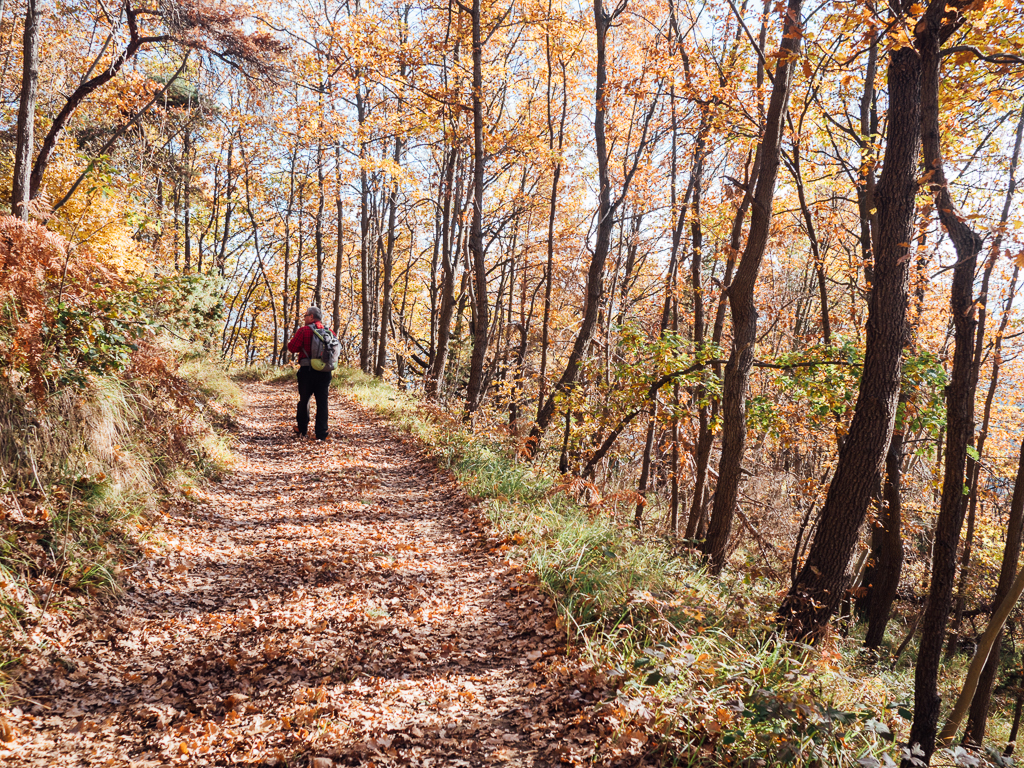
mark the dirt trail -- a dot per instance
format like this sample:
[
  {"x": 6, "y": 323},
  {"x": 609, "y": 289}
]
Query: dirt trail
[{"x": 334, "y": 604}]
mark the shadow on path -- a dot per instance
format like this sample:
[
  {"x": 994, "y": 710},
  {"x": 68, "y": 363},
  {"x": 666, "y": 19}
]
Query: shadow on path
[{"x": 336, "y": 604}]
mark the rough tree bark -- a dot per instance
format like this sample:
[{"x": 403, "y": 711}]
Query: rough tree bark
[
  {"x": 886, "y": 564},
  {"x": 25, "y": 140},
  {"x": 938, "y": 23},
  {"x": 821, "y": 583},
  {"x": 741, "y": 297}
]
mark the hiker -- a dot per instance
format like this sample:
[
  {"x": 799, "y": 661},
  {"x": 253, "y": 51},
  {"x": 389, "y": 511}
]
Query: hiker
[{"x": 312, "y": 383}]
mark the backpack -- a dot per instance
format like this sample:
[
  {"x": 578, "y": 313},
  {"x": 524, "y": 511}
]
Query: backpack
[{"x": 324, "y": 350}]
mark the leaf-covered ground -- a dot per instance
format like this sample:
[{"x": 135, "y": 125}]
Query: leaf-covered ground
[{"x": 326, "y": 604}]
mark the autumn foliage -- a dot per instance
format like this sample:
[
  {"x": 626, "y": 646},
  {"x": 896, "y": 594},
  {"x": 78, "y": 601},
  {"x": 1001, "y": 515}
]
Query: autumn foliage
[{"x": 744, "y": 276}]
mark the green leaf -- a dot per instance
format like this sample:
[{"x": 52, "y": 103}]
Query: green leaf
[{"x": 973, "y": 452}]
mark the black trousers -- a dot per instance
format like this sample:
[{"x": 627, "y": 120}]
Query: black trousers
[{"x": 312, "y": 384}]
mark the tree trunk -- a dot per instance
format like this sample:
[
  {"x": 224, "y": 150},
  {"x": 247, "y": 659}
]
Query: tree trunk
[
  {"x": 975, "y": 732},
  {"x": 474, "y": 393},
  {"x": 552, "y": 210},
  {"x": 186, "y": 163},
  {"x": 229, "y": 194},
  {"x": 297, "y": 299},
  {"x": 319, "y": 229},
  {"x": 886, "y": 564},
  {"x": 25, "y": 140},
  {"x": 705, "y": 437},
  {"x": 741, "y": 299},
  {"x": 389, "y": 261},
  {"x": 812, "y": 237},
  {"x": 364, "y": 244},
  {"x": 821, "y": 582},
  {"x": 339, "y": 255},
  {"x": 866, "y": 187},
  {"x": 667, "y": 307},
  {"x": 976, "y": 722},
  {"x": 449, "y": 263},
  {"x": 285, "y": 294},
  {"x": 605, "y": 222},
  {"x": 931, "y": 32}
]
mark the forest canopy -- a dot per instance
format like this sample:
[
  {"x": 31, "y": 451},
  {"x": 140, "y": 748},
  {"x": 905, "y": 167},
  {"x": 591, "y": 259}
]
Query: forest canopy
[{"x": 750, "y": 270}]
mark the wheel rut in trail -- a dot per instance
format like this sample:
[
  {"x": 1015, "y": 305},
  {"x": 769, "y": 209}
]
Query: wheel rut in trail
[{"x": 335, "y": 603}]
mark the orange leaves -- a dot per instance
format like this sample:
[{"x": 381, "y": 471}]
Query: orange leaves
[{"x": 327, "y": 627}]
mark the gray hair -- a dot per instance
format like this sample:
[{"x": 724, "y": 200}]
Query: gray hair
[{"x": 315, "y": 312}]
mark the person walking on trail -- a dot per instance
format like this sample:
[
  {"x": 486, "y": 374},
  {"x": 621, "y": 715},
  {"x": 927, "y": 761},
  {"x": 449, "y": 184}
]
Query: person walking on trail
[{"x": 312, "y": 383}]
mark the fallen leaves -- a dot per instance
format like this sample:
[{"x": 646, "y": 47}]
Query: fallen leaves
[{"x": 367, "y": 616}]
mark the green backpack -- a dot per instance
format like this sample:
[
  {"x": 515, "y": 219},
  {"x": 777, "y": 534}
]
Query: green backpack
[{"x": 324, "y": 350}]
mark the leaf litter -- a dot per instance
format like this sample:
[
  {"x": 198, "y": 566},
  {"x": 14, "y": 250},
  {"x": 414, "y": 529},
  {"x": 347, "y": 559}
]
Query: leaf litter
[{"x": 325, "y": 604}]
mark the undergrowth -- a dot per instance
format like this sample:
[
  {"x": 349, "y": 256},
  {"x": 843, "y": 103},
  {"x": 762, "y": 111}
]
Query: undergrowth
[
  {"x": 84, "y": 477},
  {"x": 697, "y": 672}
]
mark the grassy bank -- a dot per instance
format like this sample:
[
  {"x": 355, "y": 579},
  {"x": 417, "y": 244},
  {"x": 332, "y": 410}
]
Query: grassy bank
[
  {"x": 85, "y": 477},
  {"x": 695, "y": 670}
]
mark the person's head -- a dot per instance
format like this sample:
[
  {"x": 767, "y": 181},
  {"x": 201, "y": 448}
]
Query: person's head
[{"x": 313, "y": 314}]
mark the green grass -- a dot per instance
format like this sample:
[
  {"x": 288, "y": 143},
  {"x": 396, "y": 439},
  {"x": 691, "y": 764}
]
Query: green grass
[
  {"x": 263, "y": 372},
  {"x": 694, "y": 662},
  {"x": 85, "y": 478}
]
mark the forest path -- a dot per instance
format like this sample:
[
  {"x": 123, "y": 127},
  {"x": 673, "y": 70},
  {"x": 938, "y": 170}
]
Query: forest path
[{"x": 325, "y": 604}]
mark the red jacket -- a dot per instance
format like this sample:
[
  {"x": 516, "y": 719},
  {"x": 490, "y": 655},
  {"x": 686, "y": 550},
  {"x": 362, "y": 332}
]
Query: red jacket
[{"x": 302, "y": 341}]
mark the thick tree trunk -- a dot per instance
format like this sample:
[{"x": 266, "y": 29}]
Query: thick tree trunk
[
  {"x": 886, "y": 564},
  {"x": 821, "y": 582},
  {"x": 741, "y": 298}
]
